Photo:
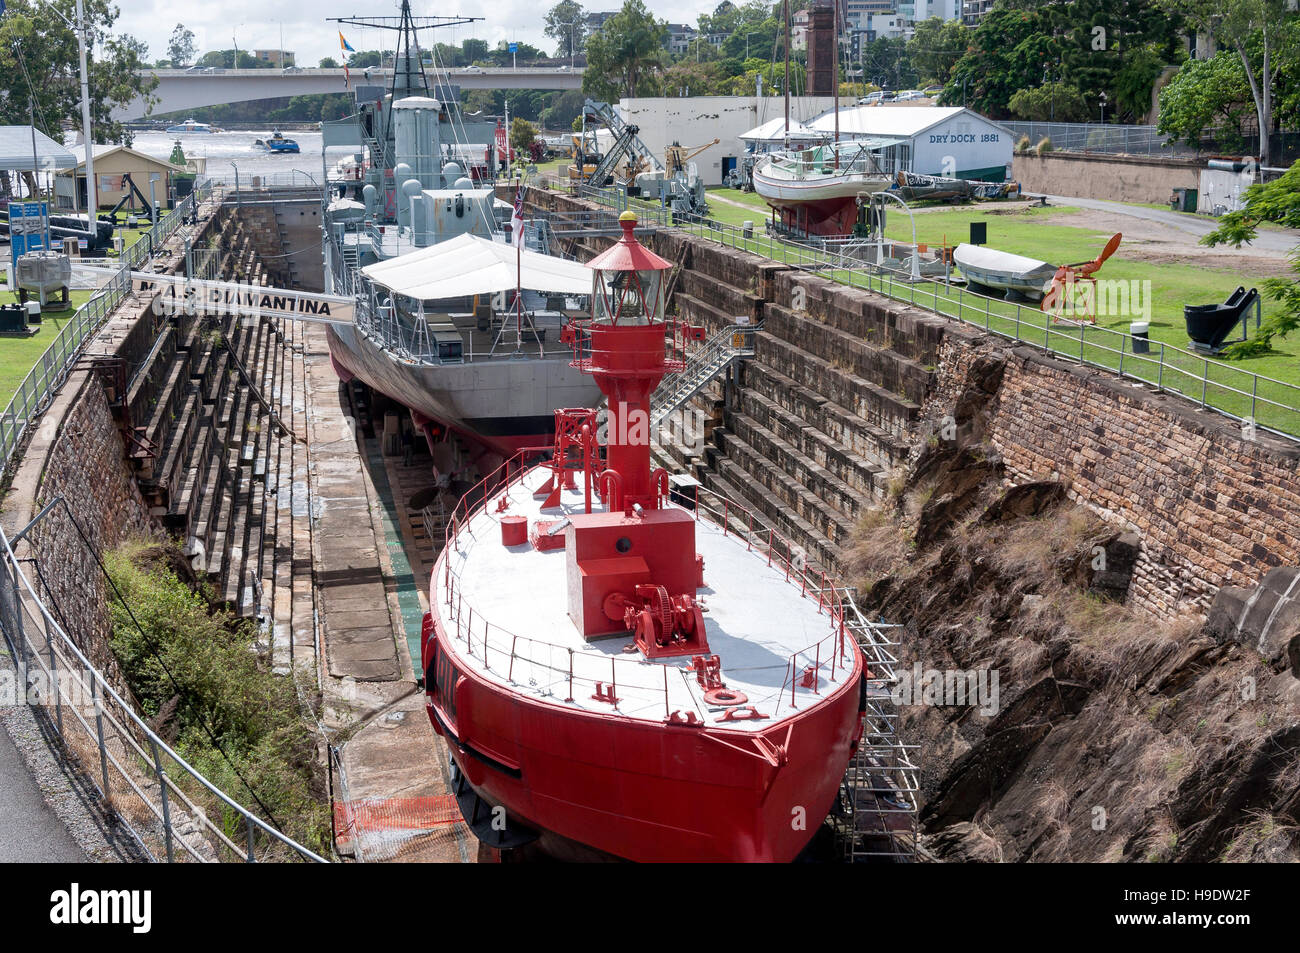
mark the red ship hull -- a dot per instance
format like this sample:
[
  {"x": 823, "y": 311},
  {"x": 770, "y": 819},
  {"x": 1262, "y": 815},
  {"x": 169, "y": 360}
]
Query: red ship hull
[{"x": 638, "y": 790}]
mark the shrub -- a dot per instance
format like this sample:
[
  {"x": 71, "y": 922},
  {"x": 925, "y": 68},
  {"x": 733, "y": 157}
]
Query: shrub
[
  {"x": 198, "y": 676},
  {"x": 1044, "y": 145}
]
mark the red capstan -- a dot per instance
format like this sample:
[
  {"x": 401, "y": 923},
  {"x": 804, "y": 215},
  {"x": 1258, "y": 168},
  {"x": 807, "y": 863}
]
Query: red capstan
[{"x": 632, "y": 568}]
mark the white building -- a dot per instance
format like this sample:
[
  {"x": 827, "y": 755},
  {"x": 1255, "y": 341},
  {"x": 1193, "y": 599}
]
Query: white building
[
  {"x": 694, "y": 120},
  {"x": 950, "y": 141}
]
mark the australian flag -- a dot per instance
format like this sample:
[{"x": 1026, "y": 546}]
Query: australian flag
[{"x": 517, "y": 219}]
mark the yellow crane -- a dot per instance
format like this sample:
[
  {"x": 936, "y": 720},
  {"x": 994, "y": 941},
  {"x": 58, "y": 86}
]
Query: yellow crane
[{"x": 676, "y": 156}]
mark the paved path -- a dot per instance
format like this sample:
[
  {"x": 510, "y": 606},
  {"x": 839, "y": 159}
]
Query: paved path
[
  {"x": 30, "y": 832},
  {"x": 1268, "y": 243}
]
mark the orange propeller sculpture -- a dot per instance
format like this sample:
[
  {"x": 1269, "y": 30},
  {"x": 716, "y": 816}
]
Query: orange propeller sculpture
[{"x": 1061, "y": 291}]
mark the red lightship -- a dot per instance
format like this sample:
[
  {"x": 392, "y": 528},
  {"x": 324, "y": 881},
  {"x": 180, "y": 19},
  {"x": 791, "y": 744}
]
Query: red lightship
[{"x": 621, "y": 675}]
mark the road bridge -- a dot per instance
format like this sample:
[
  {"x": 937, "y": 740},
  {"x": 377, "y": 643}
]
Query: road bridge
[{"x": 184, "y": 89}]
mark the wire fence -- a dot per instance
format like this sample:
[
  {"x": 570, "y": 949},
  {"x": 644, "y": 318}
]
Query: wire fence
[
  {"x": 171, "y": 810},
  {"x": 1252, "y": 399},
  {"x": 47, "y": 375},
  {"x": 1096, "y": 137}
]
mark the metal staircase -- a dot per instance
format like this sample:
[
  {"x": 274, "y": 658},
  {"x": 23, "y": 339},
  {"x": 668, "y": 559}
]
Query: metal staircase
[
  {"x": 879, "y": 790},
  {"x": 733, "y": 343}
]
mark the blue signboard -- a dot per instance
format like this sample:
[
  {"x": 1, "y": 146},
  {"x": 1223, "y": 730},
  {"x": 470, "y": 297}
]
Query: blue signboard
[
  {"x": 514, "y": 47},
  {"x": 29, "y": 227}
]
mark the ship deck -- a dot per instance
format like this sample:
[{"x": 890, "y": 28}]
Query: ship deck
[{"x": 505, "y": 609}]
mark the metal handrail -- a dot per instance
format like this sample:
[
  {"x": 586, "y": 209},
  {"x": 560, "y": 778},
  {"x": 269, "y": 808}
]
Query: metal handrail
[
  {"x": 70, "y": 674},
  {"x": 734, "y": 519},
  {"x": 1167, "y": 368},
  {"x": 37, "y": 389}
]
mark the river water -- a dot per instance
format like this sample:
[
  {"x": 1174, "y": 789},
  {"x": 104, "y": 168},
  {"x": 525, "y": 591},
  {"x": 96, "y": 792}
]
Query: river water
[{"x": 226, "y": 150}]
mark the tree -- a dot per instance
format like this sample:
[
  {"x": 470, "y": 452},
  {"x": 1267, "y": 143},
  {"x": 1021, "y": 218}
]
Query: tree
[
  {"x": 181, "y": 48},
  {"x": 564, "y": 25},
  {"x": 472, "y": 51},
  {"x": 623, "y": 55},
  {"x": 1051, "y": 102},
  {"x": 328, "y": 62},
  {"x": 935, "y": 49},
  {"x": 1205, "y": 94},
  {"x": 522, "y": 134},
  {"x": 39, "y": 60},
  {"x": 1278, "y": 202},
  {"x": 1235, "y": 24}
]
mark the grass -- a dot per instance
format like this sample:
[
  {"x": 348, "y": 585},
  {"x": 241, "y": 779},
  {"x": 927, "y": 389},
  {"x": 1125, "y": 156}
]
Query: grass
[
  {"x": 1031, "y": 231},
  {"x": 206, "y": 687},
  {"x": 18, "y": 355}
]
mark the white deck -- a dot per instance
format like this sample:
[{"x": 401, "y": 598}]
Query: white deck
[{"x": 755, "y": 620}]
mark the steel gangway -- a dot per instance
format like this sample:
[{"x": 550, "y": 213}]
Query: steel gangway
[{"x": 705, "y": 365}]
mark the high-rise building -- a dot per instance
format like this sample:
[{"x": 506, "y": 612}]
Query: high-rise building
[{"x": 972, "y": 11}]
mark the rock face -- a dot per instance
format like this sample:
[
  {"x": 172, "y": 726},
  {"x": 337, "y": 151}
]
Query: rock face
[{"x": 1265, "y": 618}]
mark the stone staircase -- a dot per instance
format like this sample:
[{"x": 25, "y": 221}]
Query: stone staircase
[
  {"x": 825, "y": 411},
  {"x": 221, "y": 403}
]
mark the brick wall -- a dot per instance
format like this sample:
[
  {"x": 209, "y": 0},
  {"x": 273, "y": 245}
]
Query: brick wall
[
  {"x": 86, "y": 466},
  {"x": 1212, "y": 507}
]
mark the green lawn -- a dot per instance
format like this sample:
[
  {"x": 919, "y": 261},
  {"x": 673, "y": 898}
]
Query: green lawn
[
  {"x": 1031, "y": 232},
  {"x": 17, "y": 355}
]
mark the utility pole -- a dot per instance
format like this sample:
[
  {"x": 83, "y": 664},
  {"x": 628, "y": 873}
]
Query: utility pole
[{"x": 92, "y": 198}]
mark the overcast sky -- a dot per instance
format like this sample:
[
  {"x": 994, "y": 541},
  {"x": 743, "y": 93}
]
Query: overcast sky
[{"x": 257, "y": 24}]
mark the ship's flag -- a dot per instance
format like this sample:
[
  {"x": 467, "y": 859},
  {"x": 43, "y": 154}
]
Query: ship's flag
[
  {"x": 517, "y": 219},
  {"x": 344, "y": 45},
  {"x": 347, "y": 77}
]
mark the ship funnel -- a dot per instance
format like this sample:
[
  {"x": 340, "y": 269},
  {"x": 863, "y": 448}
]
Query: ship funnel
[{"x": 416, "y": 138}]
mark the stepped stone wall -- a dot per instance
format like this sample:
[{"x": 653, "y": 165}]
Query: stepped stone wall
[{"x": 847, "y": 386}]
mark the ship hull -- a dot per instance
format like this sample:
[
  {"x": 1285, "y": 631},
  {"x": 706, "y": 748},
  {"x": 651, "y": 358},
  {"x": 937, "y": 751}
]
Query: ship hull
[
  {"x": 501, "y": 404},
  {"x": 821, "y": 205},
  {"x": 1003, "y": 271},
  {"x": 595, "y": 785}
]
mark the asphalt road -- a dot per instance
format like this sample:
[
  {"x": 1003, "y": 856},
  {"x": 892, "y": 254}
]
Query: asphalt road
[
  {"x": 1267, "y": 243},
  {"x": 30, "y": 831}
]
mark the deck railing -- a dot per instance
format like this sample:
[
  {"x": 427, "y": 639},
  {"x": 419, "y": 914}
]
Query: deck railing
[
  {"x": 1258, "y": 402},
  {"x": 505, "y": 652}
]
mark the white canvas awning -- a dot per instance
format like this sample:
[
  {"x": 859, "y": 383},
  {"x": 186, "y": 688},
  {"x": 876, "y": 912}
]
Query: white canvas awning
[
  {"x": 469, "y": 265},
  {"x": 18, "y": 155},
  {"x": 774, "y": 131}
]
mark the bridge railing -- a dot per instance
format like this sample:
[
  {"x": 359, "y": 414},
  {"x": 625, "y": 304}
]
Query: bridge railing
[
  {"x": 1255, "y": 401},
  {"x": 47, "y": 375},
  {"x": 152, "y": 790}
]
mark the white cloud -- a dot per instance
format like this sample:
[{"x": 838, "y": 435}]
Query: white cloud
[{"x": 257, "y": 24}]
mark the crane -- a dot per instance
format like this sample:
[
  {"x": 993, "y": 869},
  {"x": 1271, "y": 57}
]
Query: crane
[{"x": 676, "y": 156}]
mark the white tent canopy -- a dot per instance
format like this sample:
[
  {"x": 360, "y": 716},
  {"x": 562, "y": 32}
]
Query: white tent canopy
[
  {"x": 774, "y": 131},
  {"x": 469, "y": 265},
  {"x": 16, "y": 151}
]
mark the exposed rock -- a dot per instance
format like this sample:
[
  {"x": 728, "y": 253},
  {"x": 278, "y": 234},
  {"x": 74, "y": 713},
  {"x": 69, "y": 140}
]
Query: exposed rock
[
  {"x": 965, "y": 843},
  {"x": 1265, "y": 618},
  {"x": 1027, "y": 499},
  {"x": 959, "y": 478}
]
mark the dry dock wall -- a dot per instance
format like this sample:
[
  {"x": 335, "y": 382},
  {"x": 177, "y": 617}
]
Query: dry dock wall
[
  {"x": 1110, "y": 177},
  {"x": 844, "y": 391}
]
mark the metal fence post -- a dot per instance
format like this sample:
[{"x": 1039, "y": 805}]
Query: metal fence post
[
  {"x": 251, "y": 858},
  {"x": 99, "y": 731},
  {"x": 166, "y": 809},
  {"x": 54, "y": 684}
]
